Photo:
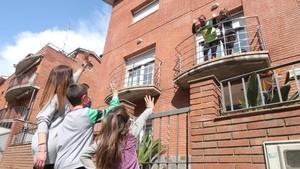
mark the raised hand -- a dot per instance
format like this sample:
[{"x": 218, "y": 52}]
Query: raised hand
[{"x": 149, "y": 101}]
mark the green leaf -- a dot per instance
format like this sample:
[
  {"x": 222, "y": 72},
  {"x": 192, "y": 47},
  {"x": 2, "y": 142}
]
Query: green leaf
[
  {"x": 252, "y": 90},
  {"x": 149, "y": 150}
]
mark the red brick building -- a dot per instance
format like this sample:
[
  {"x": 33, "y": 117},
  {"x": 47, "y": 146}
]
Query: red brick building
[
  {"x": 214, "y": 113},
  {"x": 20, "y": 97}
]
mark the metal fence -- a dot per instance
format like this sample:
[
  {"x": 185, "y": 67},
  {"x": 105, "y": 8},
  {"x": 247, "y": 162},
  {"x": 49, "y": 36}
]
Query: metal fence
[
  {"x": 271, "y": 87},
  {"x": 23, "y": 137},
  {"x": 170, "y": 131},
  {"x": 245, "y": 36},
  {"x": 15, "y": 112}
]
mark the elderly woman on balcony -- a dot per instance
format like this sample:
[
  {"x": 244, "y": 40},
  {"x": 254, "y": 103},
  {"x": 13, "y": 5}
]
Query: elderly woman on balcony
[
  {"x": 228, "y": 34},
  {"x": 53, "y": 107},
  {"x": 208, "y": 30}
]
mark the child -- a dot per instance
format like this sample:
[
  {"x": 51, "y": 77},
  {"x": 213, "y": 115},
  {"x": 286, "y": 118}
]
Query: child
[
  {"x": 117, "y": 143},
  {"x": 76, "y": 131}
]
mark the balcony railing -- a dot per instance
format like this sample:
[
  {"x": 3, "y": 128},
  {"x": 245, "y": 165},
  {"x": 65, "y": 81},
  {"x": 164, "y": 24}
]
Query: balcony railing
[
  {"x": 17, "y": 112},
  {"x": 267, "y": 88},
  {"x": 23, "y": 137},
  {"x": 25, "y": 79},
  {"x": 245, "y": 38},
  {"x": 138, "y": 76}
]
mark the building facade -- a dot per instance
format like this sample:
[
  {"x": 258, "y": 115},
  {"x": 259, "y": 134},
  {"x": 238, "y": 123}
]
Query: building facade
[
  {"x": 239, "y": 110},
  {"x": 221, "y": 112},
  {"x": 20, "y": 98}
]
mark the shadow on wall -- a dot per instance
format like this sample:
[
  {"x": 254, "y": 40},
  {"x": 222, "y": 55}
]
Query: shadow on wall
[{"x": 181, "y": 98}]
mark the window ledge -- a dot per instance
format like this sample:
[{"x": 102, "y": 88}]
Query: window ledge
[{"x": 241, "y": 114}]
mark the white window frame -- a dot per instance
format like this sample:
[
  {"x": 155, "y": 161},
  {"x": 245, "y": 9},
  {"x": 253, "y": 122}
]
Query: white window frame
[
  {"x": 145, "y": 11},
  {"x": 141, "y": 61}
]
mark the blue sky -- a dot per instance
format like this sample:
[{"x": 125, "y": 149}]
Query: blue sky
[{"x": 26, "y": 26}]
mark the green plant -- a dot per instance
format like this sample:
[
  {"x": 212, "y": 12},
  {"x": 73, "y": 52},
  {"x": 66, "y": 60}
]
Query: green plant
[
  {"x": 252, "y": 90},
  {"x": 149, "y": 150},
  {"x": 271, "y": 95}
]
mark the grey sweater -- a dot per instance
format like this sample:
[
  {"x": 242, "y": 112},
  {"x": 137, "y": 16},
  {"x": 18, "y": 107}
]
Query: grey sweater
[
  {"x": 48, "y": 121},
  {"x": 135, "y": 129},
  {"x": 76, "y": 133}
]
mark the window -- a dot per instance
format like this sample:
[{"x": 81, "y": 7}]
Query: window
[
  {"x": 291, "y": 158},
  {"x": 140, "y": 69},
  {"x": 145, "y": 10},
  {"x": 282, "y": 154}
]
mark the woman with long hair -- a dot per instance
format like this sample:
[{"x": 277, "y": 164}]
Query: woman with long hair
[
  {"x": 53, "y": 106},
  {"x": 117, "y": 140}
]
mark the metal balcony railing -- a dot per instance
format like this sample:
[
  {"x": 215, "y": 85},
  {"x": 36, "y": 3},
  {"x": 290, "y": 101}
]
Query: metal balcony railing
[
  {"x": 267, "y": 88},
  {"x": 23, "y": 137},
  {"x": 167, "y": 133},
  {"x": 16, "y": 112},
  {"x": 148, "y": 74},
  {"x": 24, "y": 79},
  {"x": 245, "y": 36}
]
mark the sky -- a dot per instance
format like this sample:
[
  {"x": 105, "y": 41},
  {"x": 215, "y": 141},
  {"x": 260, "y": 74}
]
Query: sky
[{"x": 28, "y": 25}]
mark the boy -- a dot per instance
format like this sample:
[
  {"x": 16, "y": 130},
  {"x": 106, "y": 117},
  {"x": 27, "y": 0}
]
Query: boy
[{"x": 76, "y": 131}]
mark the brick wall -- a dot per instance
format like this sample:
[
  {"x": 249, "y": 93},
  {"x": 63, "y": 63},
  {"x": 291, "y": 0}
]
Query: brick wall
[
  {"x": 17, "y": 157},
  {"x": 234, "y": 141},
  {"x": 169, "y": 26}
]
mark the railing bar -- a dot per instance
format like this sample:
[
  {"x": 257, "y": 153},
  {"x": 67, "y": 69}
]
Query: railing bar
[
  {"x": 278, "y": 87},
  {"x": 160, "y": 140},
  {"x": 230, "y": 95},
  {"x": 223, "y": 97},
  {"x": 296, "y": 80},
  {"x": 170, "y": 113},
  {"x": 186, "y": 139},
  {"x": 177, "y": 140},
  {"x": 260, "y": 90},
  {"x": 168, "y": 140},
  {"x": 151, "y": 145},
  {"x": 245, "y": 93},
  {"x": 257, "y": 107}
]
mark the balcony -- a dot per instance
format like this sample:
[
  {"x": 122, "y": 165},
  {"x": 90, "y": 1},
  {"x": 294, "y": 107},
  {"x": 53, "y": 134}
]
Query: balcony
[
  {"x": 27, "y": 63},
  {"x": 20, "y": 86},
  {"x": 134, "y": 81},
  {"x": 269, "y": 88},
  {"x": 248, "y": 53},
  {"x": 16, "y": 112}
]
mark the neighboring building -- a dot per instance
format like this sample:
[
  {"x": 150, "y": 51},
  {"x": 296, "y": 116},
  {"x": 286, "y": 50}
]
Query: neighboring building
[
  {"x": 211, "y": 113},
  {"x": 20, "y": 98}
]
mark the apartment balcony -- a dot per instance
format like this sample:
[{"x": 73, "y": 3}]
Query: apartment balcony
[
  {"x": 27, "y": 63},
  {"x": 134, "y": 81},
  {"x": 269, "y": 88},
  {"x": 20, "y": 86},
  {"x": 15, "y": 112},
  {"x": 239, "y": 52}
]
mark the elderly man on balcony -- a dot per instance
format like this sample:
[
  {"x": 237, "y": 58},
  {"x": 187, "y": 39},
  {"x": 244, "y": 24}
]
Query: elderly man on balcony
[{"x": 208, "y": 31}]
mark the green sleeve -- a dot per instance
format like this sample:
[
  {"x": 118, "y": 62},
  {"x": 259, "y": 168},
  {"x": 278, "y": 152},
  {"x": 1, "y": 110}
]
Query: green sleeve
[{"x": 98, "y": 115}]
